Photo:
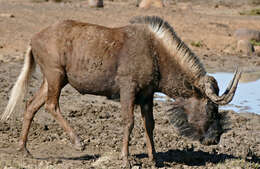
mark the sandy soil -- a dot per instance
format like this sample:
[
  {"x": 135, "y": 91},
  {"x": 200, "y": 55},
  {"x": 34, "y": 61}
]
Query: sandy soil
[{"x": 98, "y": 120}]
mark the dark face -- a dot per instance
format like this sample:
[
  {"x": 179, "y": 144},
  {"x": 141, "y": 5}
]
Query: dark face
[{"x": 197, "y": 119}]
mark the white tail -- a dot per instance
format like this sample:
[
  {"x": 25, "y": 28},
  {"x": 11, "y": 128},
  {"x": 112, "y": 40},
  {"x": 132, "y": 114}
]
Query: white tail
[{"x": 20, "y": 88}]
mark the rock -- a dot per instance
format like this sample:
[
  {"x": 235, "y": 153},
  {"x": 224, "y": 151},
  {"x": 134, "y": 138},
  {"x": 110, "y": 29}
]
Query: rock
[
  {"x": 96, "y": 3},
  {"x": 6, "y": 167},
  {"x": 257, "y": 50},
  {"x": 149, "y": 3},
  {"x": 245, "y": 47},
  {"x": 247, "y": 34},
  {"x": 7, "y": 15},
  {"x": 185, "y": 6}
]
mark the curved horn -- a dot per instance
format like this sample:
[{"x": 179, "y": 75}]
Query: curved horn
[{"x": 228, "y": 95}]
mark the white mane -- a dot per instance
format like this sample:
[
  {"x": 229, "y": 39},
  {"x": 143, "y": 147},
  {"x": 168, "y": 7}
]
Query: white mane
[{"x": 177, "y": 48}]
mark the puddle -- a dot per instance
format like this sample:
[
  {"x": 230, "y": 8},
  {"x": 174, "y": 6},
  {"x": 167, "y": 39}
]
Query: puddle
[
  {"x": 161, "y": 97},
  {"x": 247, "y": 97}
]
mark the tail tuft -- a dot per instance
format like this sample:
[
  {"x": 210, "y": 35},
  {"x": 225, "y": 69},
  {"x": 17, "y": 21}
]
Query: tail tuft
[{"x": 20, "y": 88}]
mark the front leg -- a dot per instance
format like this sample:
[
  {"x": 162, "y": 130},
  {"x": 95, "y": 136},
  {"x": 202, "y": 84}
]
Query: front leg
[{"x": 127, "y": 98}]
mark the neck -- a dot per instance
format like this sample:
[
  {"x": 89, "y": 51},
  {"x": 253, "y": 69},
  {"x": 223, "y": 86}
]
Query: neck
[{"x": 175, "y": 81}]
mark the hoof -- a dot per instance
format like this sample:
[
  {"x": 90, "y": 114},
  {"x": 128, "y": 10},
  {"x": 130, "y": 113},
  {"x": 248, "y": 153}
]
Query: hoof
[
  {"x": 25, "y": 152},
  {"x": 152, "y": 158},
  {"x": 154, "y": 161},
  {"x": 79, "y": 145},
  {"x": 126, "y": 164}
]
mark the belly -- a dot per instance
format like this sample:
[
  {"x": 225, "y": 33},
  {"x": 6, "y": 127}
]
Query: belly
[{"x": 97, "y": 83}]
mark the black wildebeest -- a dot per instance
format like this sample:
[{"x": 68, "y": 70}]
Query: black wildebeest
[{"x": 131, "y": 62}]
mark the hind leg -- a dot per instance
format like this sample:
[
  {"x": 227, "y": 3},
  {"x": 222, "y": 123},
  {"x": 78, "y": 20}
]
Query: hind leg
[
  {"x": 33, "y": 105},
  {"x": 56, "y": 82},
  {"x": 148, "y": 119}
]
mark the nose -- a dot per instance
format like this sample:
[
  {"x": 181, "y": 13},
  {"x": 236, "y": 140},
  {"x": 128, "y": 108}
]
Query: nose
[
  {"x": 212, "y": 136},
  {"x": 208, "y": 141}
]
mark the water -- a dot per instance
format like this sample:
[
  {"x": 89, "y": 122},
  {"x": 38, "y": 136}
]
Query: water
[{"x": 247, "y": 97}]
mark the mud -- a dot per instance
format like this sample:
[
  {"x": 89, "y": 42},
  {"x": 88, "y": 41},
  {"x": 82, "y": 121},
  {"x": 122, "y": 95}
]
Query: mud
[{"x": 98, "y": 120}]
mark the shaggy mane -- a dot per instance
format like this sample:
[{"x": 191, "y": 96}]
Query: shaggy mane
[
  {"x": 179, "y": 119},
  {"x": 164, "y": 32}
]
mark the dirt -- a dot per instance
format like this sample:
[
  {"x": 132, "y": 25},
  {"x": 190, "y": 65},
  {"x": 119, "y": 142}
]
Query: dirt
[{"x": 98, "y": 120}]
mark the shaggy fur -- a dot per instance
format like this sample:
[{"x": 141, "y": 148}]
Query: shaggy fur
[{"x": 179, "y": 119}]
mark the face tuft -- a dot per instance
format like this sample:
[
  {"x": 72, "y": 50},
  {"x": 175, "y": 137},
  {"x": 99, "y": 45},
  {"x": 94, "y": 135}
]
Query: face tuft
[{"x": 197, "y": 119}]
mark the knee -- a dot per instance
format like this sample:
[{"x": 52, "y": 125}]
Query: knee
[
  {"x": 28, "y": 115},
  {"x": 28, "y": 103},
  {"x": 50, "y": 107}
]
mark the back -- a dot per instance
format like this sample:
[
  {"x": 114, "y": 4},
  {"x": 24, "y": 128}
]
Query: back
[{"x": 93, "y": 56}]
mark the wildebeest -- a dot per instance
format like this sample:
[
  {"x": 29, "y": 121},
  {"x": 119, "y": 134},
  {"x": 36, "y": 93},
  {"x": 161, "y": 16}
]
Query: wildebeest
[{"x": 130, "y": 62}]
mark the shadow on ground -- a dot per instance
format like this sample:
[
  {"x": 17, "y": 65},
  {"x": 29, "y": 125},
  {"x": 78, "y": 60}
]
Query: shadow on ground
[
  {"x": 192, "y": 158},
  {"x": 79, "y": 158}
]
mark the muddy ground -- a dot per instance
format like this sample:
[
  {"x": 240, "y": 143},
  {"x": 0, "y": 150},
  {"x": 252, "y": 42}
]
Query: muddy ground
[{"x": 98, "y": 120}]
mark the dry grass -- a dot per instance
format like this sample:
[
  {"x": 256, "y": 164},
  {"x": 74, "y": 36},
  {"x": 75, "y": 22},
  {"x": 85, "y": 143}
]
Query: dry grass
[
  {"x": 238, "y": 163},
  {"x": 197, "y": 44},
  {"x": 255, "y": 43},
  {"x": 251, "y": 12},
  {"x": 254, "y": 2}
]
